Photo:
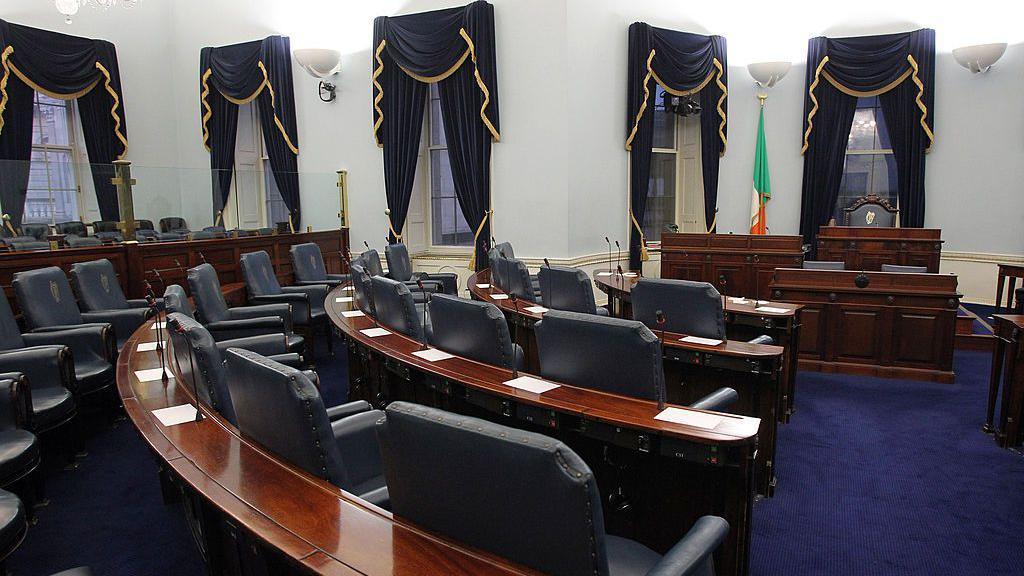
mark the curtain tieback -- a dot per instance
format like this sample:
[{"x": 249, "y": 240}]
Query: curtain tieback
[
  {"x": 643, "y": 243},
  {"x": 476, "y": 238}
]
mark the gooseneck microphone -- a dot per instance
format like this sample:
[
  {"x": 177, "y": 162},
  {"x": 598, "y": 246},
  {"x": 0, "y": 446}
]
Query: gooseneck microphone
[
  {"x": 426, "y": 301},
  {"x": 192, "y": 367},
  {"x": 544, "y": 294},
  {"x": 151, "y": 302},
  {"x": 201, "y": 256},
  {"x": 515, "y": 333},
  {"x": 609, "y": 243},
  {"x": 618, "y": 257},
  {"x": 660, "y": 318},
  {"x": 372, "y": 304}
]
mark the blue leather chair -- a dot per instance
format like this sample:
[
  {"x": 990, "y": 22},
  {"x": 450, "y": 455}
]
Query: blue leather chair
[
  {"x": 227, "y": 323},
  {"x": 20, "y": 450},
  {"x": 823, "y": 265},
  {"x": 99, "y": 291},
  {"x": 519, "y": 495},
  {"x": 13, "y": 526},
  {"x": 307, "y": 302},
  {"x": 174, "y": 224},
  {"x": 73, "y": 227},
  {"x": 362, "y": 286},
  {"x": 49, "y": 309},
  {"x": 371, "y": 263},
  {"x": 505, "y": 250},
  {"x": 497, "y": 279},
  {"x": 281, "y": 409},
  {"x": 36, "y": 231},
  {"x": 309, "y": 268},
  {"x": 82, "y": 241},
  {"x": 690, "y": 308},
  {"x": 107, "y": 230},
  {"x": 400, "y": 269},
  {"x": 514, "y": 278},
  {"x": 475, "y": 330},
  {"x": 20, "y": 245},
  {"x": 568, "y": 289},
  {"x": 904, "y": 269},
  {"x": 395, "y": 308}
]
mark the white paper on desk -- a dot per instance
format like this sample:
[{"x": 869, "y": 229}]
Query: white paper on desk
[
  {"x": 375, "y": 332},
  {"x": 348, "y": 288},
  {"x": 162, "y": 324},
  {"x": 149, "y": 375},
  {"x": 343, "y": 299},
  {"x": 761, "y": 302},
  {"x": 531, "y": 384},
  {"x": 483, "y": 285},
  {"x": 689, "y": 418},
  {"x": 353, "y": 313},
  {"x": 499, "y": 296},
  {"x": 771, "y": 310},
  {"x": 174, "y": 415},
  {"x": 699, "y": 340},
  {"x": 146, "y": 346},
  {"x": 432, "y": 355},
  {"x": 536, "y": 309},
  {"x": 604, "y": 274},
  {"x": 738, "y": 300},
  {"x": 629, "y": 274}
]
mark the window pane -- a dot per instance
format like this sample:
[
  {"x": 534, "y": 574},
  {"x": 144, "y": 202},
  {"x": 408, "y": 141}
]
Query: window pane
[
  {"x": 448, "y": 225},
  {"x": 50, "y": 123},
  {"x": 664, "y": 123},
  {"x": 866, "y": 174},
  {"x": 862, "y": 133},
  {"x": 436, "y": 122},
  {"x": 661, "y": 196}
]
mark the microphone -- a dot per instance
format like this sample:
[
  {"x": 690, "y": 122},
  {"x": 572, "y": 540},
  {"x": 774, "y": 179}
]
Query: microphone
[
  {"x": 367, "y": 244},
  {"x": 201, "y": 256},
  {"x": 178, "y": 264},
  {"x": 660, "y": 317},
  {"x": 423, "y": 326},
  {"x": 618, "y": 257},
  {"x": 371, "y": 304},
  {"x": 191, "y": 364},
  {"x": 151, "y": 302},
  {"x": 609, "y": 242},
  {"x": 515, "y": 332},
  {"x": 545, "y": 295}
]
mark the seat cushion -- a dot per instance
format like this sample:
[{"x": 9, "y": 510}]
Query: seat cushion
[
  {"x": 19, "y": 454},
  {"x": 93, "y": 375},
  {"x": 628, "y": 558},
  {"x": 12, "y": 521},
  {"x": 295, "y": 343},
  {"x": 50, "y": 406}
]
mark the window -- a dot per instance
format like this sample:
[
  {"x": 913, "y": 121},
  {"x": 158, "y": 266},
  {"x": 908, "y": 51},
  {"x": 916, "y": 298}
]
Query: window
[
  {"x": 52, "y": 185},
  {"x": 448, "y": 227},
  {"x": 661, "y": 192},
  {"x": 870, "y": 167}
]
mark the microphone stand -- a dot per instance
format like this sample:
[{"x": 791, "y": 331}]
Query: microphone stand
[
  {"x": 618, "y": 257},
  {"x": 609, "y": 243},
  {"x": 372, "y": 306},
  {"x": 660, "y": 316},
  {"x": 192, "y": 367},
  {"x": 151, "y": 302},
  {"x": 544, "y": 294},
  {"x": 202, "y": 256},
  {"x": 423, "y": 326},
  {"x": 515, "y": 333}
]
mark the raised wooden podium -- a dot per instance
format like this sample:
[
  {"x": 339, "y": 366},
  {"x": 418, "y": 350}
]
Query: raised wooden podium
[
  {"x": 737, "y": 264},
  {"x": 865, "y": 248}
]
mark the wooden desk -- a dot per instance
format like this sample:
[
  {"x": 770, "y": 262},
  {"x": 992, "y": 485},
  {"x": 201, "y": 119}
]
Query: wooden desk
[
  {"x": 691, "y": 371},
  {"x": 874, "y": 323},
  {"x": 1008, "y": 353},
  {"x": 742, "y": 322},
  {"x": 671, "y": 474},
  {"x": 867, "y": 248},
  {"x": 737, "y": 264},
  {"x": 1011, "y": 272}
]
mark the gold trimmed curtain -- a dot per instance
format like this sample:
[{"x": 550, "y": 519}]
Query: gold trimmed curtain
[
  {"x": 682, "y": 64},
  {"x": 66, "y": 68},
  {"x": 453, "y": 48},
  {"x": 897, "y": 68}
]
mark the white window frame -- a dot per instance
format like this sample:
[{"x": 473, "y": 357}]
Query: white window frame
[
  {"x": 73, "y": 155},
  {"x": 429, "y": 192}
]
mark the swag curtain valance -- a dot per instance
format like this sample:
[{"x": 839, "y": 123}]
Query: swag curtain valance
[
  {"x": 900, "y": 70},
  {"x": 683, "y": 64},
  {"x": 453, "y": 48},
  {"x": 234, "y": 75},
  {"x": 67, "y": 68}
]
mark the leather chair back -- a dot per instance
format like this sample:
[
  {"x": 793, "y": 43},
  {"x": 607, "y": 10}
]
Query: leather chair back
[
  {"x": 46, "y": 298},
  {"x": 204, "y": 370},
  {"x": 27, "y": 245},
  {"x": 904, "y": 269},
  {"x": 393, "y": 303},
  {"x": 399, "y": 263},
  {"x": 144, "y": 225},
  {"x": 75, "y": 241},
  {"x": 205, "y": 288},
  {"x": 105, "y": 226},
  {"x": 308, "y": 262},
  {"x": 497, "y": 279},
  {"x": 258, "y": 273},
  {"x": 97, "y": 286},
  {"x": 372, "y": 262},
  {"x": 476, "y": 330},
  {"x": 870, "y": 213},
  {"x": 505, "y": 249},
  {"x": 823, "y": 265},
  {"x": 173, "y": 223},
  {"x": 362, "y": 288},
  {"x": 568, "y": 289},
  {"x": 691, "y": 308},
  {"x": 176, "y": 301},
  {"x": 10, "y": 334},
  {"x": 441, "y": 475},
  {"x": 15, "y": 405},
  {"x": 609, "y": 354},
  {"x": 37, "y": 231},
  {"x": 515, "y": 278},
  {"x": 76, "y": 227},
  {"x": 281, "y": 409}
]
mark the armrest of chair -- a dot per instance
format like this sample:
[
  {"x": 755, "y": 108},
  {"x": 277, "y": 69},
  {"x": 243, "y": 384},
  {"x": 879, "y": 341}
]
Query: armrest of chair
[
  {"x": 720, "y": 400},
  {"x": 316, "y": 293},
  {"x": 449, "y": 281},
  {"x": 288, "y": 359},
  {"x": 762, "y": 339},
  {"x": 339, "y": 277},
  {"x": 356, "y": 437},
  {"x": 313, "y": 377},
  {"x": 142, "y": 303},
  {"x": 692, "y": 554},
  {"x": 125, "y": 321},
  {"x": 280, "y": 310},
  {"x": 298, "y": 301},
  {"x": 263, "y": 344},
  {"x": 348, "y": 409},
  {"x": 243, "y": 328},
  {"x": 85, "y": 340},
  {"x": 41, "y": 364}
]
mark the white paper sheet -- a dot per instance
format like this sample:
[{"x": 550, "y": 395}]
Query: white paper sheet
[
  {"x": 738, "y": 300},
  {"x": 174, "y": 415},
  {"x": 162, "y": 324},
  {"x": 432, "y": 355},
  {"x": 499, "y": 296},
  {"x": 483, "y": 285},
  {"x": 771, "y": 310},
  {"x": 536, "y": 309},
  {"x": 149, "y": 375},
  {"x": 146, "y": 346},
  {"x": 689, "y": 418},
  {"x": 699, "y": 340},
  {"x": 629, "y": 274},
  {"x": 603, "y": 274},
  {"x": 343, "y": 299},
  {"x": 761, "y": 302},
  {"x": 530, "y": 384},
  {"x": 353, "y": 313},
  {"x": 375, "y": 332},
  {"x": 348, "y": 288}
]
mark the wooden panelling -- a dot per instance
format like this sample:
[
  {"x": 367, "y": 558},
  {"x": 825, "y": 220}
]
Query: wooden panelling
[
  {"x": 868, "y": 248},
  {"x": 737, "y": 264}
]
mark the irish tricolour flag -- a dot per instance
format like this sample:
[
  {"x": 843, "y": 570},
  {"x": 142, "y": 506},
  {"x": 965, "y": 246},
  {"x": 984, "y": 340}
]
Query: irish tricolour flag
[{"x": 762, "y": 183}]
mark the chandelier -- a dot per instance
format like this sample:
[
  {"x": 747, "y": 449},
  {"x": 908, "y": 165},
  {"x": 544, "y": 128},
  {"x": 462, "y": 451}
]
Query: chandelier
[{"x": 70, "y": 7}]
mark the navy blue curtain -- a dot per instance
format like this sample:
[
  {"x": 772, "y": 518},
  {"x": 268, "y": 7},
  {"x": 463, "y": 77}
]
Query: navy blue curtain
[
  {"x": 68, "y": 68},
  {"x": 682, "y": 64},
  {"x": 454, "y": 48},
  {"x": 900, "y": 70},
  {"x": 237, "y": 74}
]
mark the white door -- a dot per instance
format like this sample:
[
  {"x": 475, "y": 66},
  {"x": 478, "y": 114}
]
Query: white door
[
  {"x": 245, "y": 204},
  {"x": 691, "y": 182}
]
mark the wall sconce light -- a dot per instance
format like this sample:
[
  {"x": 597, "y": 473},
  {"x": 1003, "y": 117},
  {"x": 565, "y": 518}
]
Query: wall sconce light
[
  {"x": 980, "y": 57},
  {"x": 767, "y": 74},
  {"x": 321, "y": 63}
]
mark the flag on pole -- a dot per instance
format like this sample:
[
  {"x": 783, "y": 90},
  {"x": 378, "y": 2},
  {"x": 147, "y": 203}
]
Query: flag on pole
[{"x": 762, "y": 182}]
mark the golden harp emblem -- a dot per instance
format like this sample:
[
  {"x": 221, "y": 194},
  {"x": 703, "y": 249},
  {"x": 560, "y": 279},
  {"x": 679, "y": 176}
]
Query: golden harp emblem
[
  {"x": 105, "y": 282},
  {"x": 870, "y": 217},
  {"x": 54, "y": 291}
]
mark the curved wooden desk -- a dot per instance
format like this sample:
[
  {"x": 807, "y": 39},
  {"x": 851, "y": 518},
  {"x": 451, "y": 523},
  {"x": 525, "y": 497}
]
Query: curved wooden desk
[
  {"x": 252, "y": 513},
  {"x": 742, "y": 321},
  {"x": 671, "y": 473}
]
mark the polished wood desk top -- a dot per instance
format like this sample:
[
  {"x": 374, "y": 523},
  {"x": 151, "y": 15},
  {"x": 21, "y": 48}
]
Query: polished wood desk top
[
  {"x": 768, "y": 244},
  {"x": 878, "y": 282},
  {"x": 316, "y": 525},
  {"x": 624, "y": 285},
  {"x": 877, "y": 233},
  {"x": 585, "y": 403},
  {"x": 1017, "y": 320},
  {"x": 670, "y": 339}
]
